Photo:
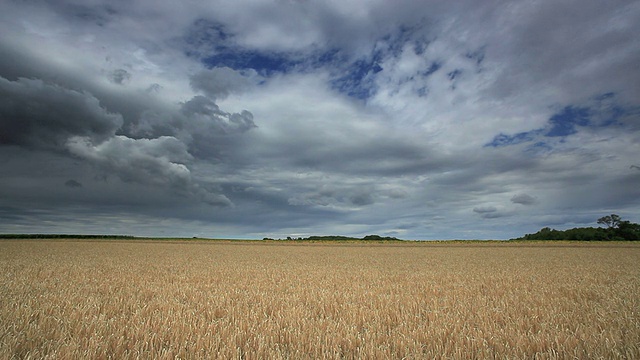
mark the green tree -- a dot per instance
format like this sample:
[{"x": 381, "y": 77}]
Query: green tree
[
  {"x": 612, "y": 221},
  {"x": 628, "y": 231}
]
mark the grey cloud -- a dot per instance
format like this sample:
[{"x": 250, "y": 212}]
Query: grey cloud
[
  {"x": 397, "y": 194},
  {"x": 523, "y": 199},
  {"x": 201, "y": 105},
  {"x": 204, "y": 116},
  {"x": 574, "y": 55},
  {"x": 40, "y": 115},
  {"x": 489, "y": 212},
  {"x": 159, "y": 162},
  {"x": 208, "y": 131},
  {"x": 204, "y": 112},
  {"x": 413, "y": 157},
  {"x": 218, "y": 83},
  {"x": 484, "y": 209},
  {"x": 72, "y": 184},
  {"x": 120, "y": 76},
  {"x": 127, "y": 103},
  {"x": 611, "y": 192},
  {"x": 348, "y": 150},
  {"x": 201, "y": 37},
  {"x": 362, "y": 199},
  {"x": 103, "y": 191},
  {"x": 154, "y": 88},
  {"x": 145, "y": 160},
  {"x": 99, "y": 14},
  {"x": 343, "y": 196}
]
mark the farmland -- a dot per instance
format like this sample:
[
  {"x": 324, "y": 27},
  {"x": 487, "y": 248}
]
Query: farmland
[{"x": 251, "y": 300}]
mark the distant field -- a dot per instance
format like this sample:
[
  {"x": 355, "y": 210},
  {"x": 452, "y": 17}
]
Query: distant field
[{"x": 163, "y": 300}]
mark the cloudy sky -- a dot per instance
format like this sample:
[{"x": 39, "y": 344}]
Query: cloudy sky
[{"x": 253, "y": 118}]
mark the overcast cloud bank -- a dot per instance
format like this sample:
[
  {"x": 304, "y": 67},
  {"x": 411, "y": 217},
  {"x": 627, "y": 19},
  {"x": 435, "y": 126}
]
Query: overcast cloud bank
[{"x": 419, "y": 120}]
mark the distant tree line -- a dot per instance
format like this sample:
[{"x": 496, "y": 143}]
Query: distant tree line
[
  {"x": 342, "y": 238},
  {"x": 616, "y": 230},
  {"x": 63, "y": 236}
]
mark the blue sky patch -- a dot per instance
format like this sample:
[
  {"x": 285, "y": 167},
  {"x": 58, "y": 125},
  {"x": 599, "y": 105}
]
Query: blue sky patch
[
  {"x": 561, "y": 124},
  {"x": 435, "y": 66},
  {"x": 215, "y": 47},
  {"x": 263, "y": 63},
  {"x": 564, "y": 123},
  {"x": 505, "y": 140},
  {"x": 603, "y": 111},
  {"x": 356, "y": 80}
]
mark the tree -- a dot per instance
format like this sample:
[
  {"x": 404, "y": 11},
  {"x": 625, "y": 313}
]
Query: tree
[
  {"x": 617, "y": 229},
  {"x": 628, "y": 231},
  {"x": 612, "y": 221}
]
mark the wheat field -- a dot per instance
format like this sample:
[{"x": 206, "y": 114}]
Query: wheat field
[{"x": 241, "y": 300}]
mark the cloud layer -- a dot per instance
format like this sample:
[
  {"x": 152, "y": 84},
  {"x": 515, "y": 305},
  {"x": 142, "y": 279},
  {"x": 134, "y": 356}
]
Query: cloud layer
[{"x": 243, "y": 119}]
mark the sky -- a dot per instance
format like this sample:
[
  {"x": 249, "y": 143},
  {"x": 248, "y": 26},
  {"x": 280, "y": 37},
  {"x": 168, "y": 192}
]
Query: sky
[{"x": 253, "y": 118}]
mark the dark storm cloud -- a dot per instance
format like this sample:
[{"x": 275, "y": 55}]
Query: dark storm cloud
[
  {"x": 159, "y": 161},
  {"x": 141, "y": 160},
  {"x": 72, "y": 184},
  {"x": 127, "y": 104},
  {"x": 43, "y": 116},
  {"x": 40, "y": 115},
  {"x": 208, "y": 131}
]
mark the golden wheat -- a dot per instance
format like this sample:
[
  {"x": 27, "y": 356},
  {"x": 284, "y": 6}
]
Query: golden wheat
[{"x": 201, "y": 300}]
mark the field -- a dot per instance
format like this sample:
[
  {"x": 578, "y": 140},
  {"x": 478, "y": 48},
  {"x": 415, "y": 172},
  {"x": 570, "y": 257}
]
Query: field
[{"x": 248, "y": 300}]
